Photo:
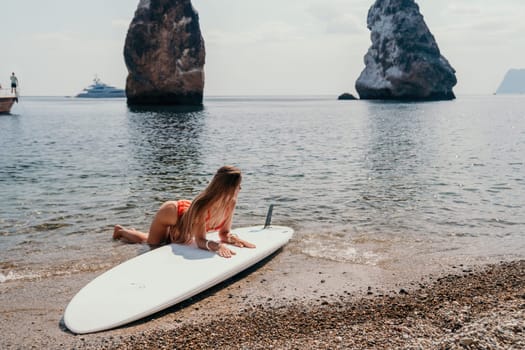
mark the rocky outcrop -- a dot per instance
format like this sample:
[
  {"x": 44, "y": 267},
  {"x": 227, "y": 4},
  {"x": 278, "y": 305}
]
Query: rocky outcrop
[
  {"x": 164, "y": 54},
  {"x": 513, "y": 82},
  {"x": 404, "y": 61},
  {"x": 346, "y": 96}
]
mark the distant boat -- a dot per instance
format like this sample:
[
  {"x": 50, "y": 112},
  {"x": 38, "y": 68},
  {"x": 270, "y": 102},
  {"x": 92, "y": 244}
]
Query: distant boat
[
  {"x": 100, "y": 90},
  {"x": 7, "y": 99}
]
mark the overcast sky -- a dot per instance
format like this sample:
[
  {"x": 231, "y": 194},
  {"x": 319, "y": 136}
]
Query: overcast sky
[{"x": 271, "y": 47}]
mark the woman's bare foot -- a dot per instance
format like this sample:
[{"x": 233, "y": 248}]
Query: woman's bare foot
[
  {"x": 129, "y": 235},
  {"x": 117, "y": 232}
]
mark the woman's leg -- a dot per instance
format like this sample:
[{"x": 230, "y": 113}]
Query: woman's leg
[
  {"x": 158, "y": 232},
  {"x": 166, "y": 216}
]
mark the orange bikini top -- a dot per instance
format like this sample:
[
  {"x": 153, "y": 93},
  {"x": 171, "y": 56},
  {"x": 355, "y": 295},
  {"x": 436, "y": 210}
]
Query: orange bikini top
[{"x": 183, "y": 206}]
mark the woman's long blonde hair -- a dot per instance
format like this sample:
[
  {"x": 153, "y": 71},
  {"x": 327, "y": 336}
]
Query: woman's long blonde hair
[{"x": 219, "y": 194}]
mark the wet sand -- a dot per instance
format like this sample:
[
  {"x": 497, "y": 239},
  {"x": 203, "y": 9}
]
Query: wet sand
[{"x": 291, "y": 301}]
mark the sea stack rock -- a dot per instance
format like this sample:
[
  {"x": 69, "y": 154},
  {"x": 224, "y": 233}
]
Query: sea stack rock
[
  {"x": 164, "y": 54},
  {"x": 404, "y": 61}
]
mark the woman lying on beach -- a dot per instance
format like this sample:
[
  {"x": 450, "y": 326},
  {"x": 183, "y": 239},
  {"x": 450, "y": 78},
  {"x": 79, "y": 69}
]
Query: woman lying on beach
[{"x": 183, "y": 221}]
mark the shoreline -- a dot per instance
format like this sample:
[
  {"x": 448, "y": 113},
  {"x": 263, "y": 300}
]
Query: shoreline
[{"x": 322, "y": 304}]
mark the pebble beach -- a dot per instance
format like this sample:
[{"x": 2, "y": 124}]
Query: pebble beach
[
  {"x": 472, "y": 310},
  {"x": 461, "y": 307}
]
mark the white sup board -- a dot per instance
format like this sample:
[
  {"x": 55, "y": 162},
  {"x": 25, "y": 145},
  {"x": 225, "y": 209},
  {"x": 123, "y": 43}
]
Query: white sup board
[{"x": 164, "y": 277}]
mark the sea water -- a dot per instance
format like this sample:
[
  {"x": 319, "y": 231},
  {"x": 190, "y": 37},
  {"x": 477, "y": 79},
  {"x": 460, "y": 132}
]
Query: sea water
[{"x": 361, "y": 182}]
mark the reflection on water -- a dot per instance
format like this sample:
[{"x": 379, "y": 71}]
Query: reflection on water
[
  {"x": 165, "y": 150},
  {"x": 164, "y": 110},
  {"x": 399, "y": 154}
]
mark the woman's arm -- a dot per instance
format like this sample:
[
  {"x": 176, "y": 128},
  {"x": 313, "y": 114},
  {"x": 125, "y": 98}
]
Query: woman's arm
[
  {"x": 213, "y": 246},
  {"x": 227, "y": 226},
  {"x": 225, "y": 233}
]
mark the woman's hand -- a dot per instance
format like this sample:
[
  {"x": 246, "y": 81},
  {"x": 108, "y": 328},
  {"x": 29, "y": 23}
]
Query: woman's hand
[
  {"x": 217, "y": 247},
  {"x": 224, "y": 251},
  {"x": 233, "y": 239}
]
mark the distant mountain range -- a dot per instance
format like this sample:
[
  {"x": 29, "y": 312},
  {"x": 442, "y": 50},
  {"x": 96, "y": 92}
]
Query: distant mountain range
[{"x": 513, "y": 83}]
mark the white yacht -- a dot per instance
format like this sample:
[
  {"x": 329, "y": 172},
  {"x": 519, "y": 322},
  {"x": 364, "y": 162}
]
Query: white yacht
[{"x": 100, "y": 90}]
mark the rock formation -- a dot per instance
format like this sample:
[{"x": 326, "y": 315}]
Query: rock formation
[
  {"x": 404, "y": 61},
  {"x": 346, "y": 96},
  {"x": 164, "y": 54},
  {"x": 513, "y": 82}
]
